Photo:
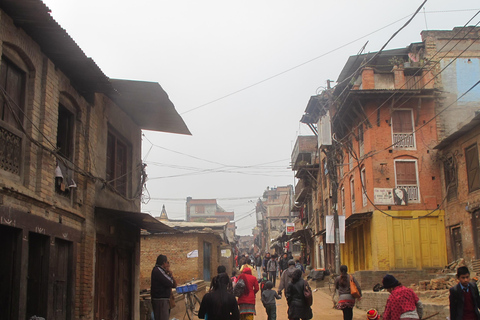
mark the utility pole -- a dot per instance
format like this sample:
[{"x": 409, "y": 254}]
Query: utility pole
[{"x": 332, "y": 172}]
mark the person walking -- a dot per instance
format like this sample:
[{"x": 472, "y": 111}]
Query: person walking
[
  {"x": 283, "y": 263},
  {"x": 162, "y": 282},
  {"x": 265, "y": 261},
  {"x": 246, "y": 302},
  {"x": 287, "y": 275},
  {"x": 258, "y": 265},
  {"x": 219, "y": 304},
  {"x": 297, "y": 304},
  {"x": 464, "y": 297},
  {"x": 248, "y": 264},
  {"x": 403, "y": 303},
  {"x": 346, "y": 301},
  {"x": 272, "y": 269},
  {"x": 268, "y": 300}
]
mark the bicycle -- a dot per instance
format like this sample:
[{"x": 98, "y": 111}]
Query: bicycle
[
  {"x": 331, "y": 287},
  {"x": 192, "y": 302}
]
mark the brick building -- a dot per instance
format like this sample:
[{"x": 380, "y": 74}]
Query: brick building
[
  {"x": 379, "y": 127},
  {"x": 208, "y": 210},
  {"x": 461, "y": 187},
  {"x": 71, "y": 175},
  {"x": 194, "y": 252},
  {"x": 274, "y": 210}
]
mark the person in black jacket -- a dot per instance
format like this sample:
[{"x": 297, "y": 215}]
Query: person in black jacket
[
  {"x": 162, "y": 282},
  {"x": 464, "y": 298},
  {"x": 283, "y": 263},
  {"x": 297, "y": 304},
  {"x": 219, "y": 304}
]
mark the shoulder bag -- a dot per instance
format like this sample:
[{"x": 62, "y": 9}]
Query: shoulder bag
[
  {"x": 353, "y": 289},
  {"x": 307, "y": 292}
]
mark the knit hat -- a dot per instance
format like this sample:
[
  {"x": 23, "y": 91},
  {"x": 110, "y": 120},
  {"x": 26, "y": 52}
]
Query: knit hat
[
  {"x": 372, "y": 314},
  {"x": 390, "y": 281},
  {"x": 291, "y": 262}
]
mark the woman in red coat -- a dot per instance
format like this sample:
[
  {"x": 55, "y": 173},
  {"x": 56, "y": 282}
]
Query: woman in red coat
[{"x": 246, "y": 302}]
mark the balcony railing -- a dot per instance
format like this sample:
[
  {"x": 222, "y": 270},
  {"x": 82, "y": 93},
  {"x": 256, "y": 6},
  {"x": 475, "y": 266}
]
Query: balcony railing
[
  {"x": 412, "y": 192},
  {"x": 403, "y": 140}
]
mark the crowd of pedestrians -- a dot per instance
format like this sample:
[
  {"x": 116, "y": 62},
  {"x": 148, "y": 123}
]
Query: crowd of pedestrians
[{"x": 234, "y": 298}]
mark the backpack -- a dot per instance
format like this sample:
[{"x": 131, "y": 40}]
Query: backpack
[
  {"x": 239, "y": 288},
  {"x": 307, "y": 292}
]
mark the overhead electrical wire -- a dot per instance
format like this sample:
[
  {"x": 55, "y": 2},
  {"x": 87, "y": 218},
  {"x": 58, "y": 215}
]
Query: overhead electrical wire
[{"x": 309, "y": 61}]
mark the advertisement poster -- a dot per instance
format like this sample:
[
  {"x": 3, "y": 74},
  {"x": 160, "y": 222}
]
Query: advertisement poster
[
  {"x": 383, "y": 196},
  {"x": 330, "y": 228},
  {"x": 192, "y": 254},
  {"x": 389, "y": 196},
  {"x": 290, "y": 228}
]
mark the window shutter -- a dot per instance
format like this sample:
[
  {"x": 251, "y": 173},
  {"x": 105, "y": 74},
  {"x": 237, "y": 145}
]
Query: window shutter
[
  {"x": 406, "y": 173},
  {"x": 402, "y": 121},
  {"x": 473, "y": 174}
]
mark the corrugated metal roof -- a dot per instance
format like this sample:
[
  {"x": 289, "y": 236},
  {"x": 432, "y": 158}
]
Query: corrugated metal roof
[
  {"x": 33, "y": 16},
  {"x": 145, "y": 102},
  {"x": 148, "y": 105}
]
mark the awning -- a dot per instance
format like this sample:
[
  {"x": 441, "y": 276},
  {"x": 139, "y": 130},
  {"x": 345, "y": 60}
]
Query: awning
[
  {"x": 148, "y": 105},
  {"x": 303, "y": 234},
  {"x": 357, "y": 217},
  {"x": 139, "y": 219}
]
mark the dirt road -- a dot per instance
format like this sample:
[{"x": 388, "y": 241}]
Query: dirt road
[{"x": 322, "y": 308}]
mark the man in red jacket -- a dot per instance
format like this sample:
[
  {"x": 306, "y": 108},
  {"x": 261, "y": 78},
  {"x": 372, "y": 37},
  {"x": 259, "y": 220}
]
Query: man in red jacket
[{"x": 246, "y": 302}]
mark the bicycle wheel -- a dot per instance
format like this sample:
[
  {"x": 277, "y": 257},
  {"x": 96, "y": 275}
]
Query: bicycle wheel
[
  {"x": 192, "y": 305},
  {"x": 196, "y": 304}
]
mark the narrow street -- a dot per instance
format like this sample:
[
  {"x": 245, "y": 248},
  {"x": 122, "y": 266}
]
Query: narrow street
[{"x": 322, "y": 308}]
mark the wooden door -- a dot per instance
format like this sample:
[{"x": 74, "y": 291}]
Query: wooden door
[
  {"x": 124, "y": 302},
  {"x": 403, "y": 244},
  {"x": 37, "y": 281},
  {"x": 476, "y": 232},
  {"x": 62, "y": 280},
  {"x": 207, "y": 258},
  {"x": 457, "y": 247},
  {"x": 9, "y": 260},
  {"x": 104, "y": 286}
]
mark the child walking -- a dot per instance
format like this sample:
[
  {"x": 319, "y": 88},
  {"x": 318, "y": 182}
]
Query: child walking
[
  {"x": 263, "y": 281},
  {"x": 268, "y": 300}
]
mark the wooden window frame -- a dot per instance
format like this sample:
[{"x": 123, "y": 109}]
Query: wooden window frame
[
  {"x": 363, "y": 179},
  {"x": 361, "y": 140},
  {"x": 119, "y": 181},
  {"x": 473, "y": 185},
  {"x": 451, "y": 178},
  {"x": 352, "y": 194},
  {"x": 416, "y": 175},
  {"x": 12, "y": 134},
  {"x": 413, "y": 138}
]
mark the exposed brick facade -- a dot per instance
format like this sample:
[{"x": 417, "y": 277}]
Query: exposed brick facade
[
  {"x": 176, "y": 247},
  {"x": 67, "y": 229}
]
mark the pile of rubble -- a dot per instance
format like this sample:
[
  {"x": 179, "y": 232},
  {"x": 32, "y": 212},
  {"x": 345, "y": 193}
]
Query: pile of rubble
[
  {"x": 445, "y": 280},
  {"x": 441, "y": 283}
]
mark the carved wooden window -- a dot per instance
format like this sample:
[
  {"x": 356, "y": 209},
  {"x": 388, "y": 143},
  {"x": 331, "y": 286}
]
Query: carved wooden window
[
  {"x": 450, "y": 178},
  {"x": 402, "y": 129},
  {"x": 117, "y": 162},
  {"x": 406, "y": 178},
  {"x": 64, "y": 183},
  {"x": 473, "y": 170},
  {"x": 12, "y": 97}
]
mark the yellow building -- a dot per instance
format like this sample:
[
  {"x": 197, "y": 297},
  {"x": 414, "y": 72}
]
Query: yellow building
[{"x": 394, "y": 240}]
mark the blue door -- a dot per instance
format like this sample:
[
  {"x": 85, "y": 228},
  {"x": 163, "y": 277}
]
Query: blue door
[{"x": 207, "y": 257}]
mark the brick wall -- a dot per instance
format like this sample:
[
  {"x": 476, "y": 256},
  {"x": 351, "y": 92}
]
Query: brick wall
[{"x": 176, "y": 247}]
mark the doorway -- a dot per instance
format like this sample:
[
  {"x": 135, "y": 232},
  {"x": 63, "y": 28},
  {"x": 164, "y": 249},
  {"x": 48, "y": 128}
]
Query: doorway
[{"x": 207, "y": 259}]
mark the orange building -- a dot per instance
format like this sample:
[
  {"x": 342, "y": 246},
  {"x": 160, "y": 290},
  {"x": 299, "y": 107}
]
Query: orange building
[{"x": 378, "y": 170}]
